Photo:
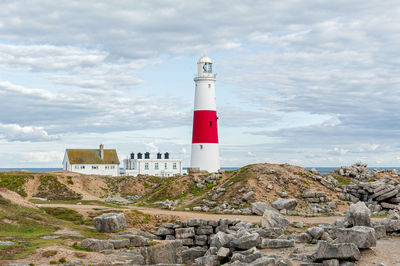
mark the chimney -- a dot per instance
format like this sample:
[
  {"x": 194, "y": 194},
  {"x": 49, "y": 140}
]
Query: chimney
[{"x": 102, "y": 151}]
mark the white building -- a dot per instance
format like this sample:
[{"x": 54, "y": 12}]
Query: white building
[
  {"x": 164, "y": 167},
  {"x": 92, "y": 162}
]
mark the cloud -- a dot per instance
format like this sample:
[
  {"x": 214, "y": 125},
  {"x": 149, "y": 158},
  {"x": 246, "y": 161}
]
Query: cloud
[
  {"x": 14, "y": 132},
  {"x": 43, "y": 157}
]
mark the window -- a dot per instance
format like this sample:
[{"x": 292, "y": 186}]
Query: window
[
  {"x": 146, "y": 166},
  {"x": 82, "y": 167},
  {"x": 210, "y": 123},
  {"x": 106, "y": 167},
  {"x": 95, "y": 167},
  {"x": 76, "y": 167},
  {"x": 209, "y": 85},
  {"x": 201, "y": 147},
  {"x": 174, "y": 165},
  {"x": 166, "y": 166},
  {"x": 112, "y": 166},
  {"x": 156, "y": 166}
]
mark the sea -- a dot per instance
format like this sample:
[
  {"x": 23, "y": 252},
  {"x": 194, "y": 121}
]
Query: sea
[{"x": 321, "y": 170}]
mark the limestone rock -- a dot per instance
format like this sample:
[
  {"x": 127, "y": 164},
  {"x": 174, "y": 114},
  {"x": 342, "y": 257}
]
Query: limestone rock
[
  {"x": 110, "y": 222},
  {"x": 272, "y": 218},
  {"x": 359, "y": 215},
  {"x": 96, "y": 244},
  {"x": 166, "y": 253},
  {"x": 277, "y": 243},
  {"x": 207, "y": 261},
  {"x": 362, "y": 236},
  {"x": 341, "y": 251},
  {"x": 287, "y": 204}
]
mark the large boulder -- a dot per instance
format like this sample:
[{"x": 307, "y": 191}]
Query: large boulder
[
  {"x": 221, "y": 239},
  {"x": 277, "y": 243},
  {"x": 246, "y": 240},
  {"x": 315, "y": 232},
  {"x": 189, "y": 255},
  {"x": 340, "y": 251},
  {"x": 181, "y": 233},
  {"x": 272, "y": 218},
  {"x": 96, "y": 245},
  {"x": 288, "y": 204},
  {"x": 362, "y": 236},
  {"x": 166, "y": 253},
  {"x": 211, "y": 260},
  {"x": 110, "y": 222},
  {"x": 259, "y": 207},
  {"x": 359, "y": 215}
]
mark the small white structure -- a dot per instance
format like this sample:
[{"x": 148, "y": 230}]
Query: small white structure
[
  {"x": 156, "y": 167},
  {"x": 92, "y": 162}
]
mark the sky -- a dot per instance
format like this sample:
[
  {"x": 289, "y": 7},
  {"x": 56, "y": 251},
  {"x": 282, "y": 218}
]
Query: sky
[{"x": 310, "y": 83}]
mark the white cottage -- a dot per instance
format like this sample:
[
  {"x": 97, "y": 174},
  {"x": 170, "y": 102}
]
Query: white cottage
[
  {"x": 92, "y": 162},
  {"x": 164, "y": 167}
]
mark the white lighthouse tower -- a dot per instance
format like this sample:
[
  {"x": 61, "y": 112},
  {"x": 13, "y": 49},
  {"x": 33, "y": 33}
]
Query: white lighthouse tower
[{"x": 205, "y": 151}]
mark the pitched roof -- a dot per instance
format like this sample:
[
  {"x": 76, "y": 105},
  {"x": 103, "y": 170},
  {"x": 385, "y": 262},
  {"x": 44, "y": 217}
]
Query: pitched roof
[{"x": 88, "y": 156}]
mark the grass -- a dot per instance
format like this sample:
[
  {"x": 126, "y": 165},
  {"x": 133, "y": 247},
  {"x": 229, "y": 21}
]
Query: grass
[
  {"x": 49, "y": 253},
  {"x": 65, "y": 214},
  {"x": 138, "y": 217},
  {"x": 14, "y": 182},
  {"x": 342, "y": 181},
  {"x": 50, "y": 188}
]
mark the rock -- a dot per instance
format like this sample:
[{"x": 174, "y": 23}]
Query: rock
[
  {"x": 283, "y": 262},
  {"x": 315, "y": 232},
  {"x": 272, "y": 232},
  {"x": 332, "y": 262},
  {"x": 277, "y": 243},
  {"x": 287, "y": 204},
  {"x": 110, "y": 222},
  {"x": 181, "y": 233},
  {"x": 204, "y": 230},
  {"x": 196, "y": 222},
  {"x": 189, "y": 255},
  {"x": 246, "y": 241},
  {"x": 247, "y": 196},
  {"x": 221, "y": 239},
  {"x": 207, "y": 261},
  {"x": 387, "y": 195},
  {"x": 303, "y": 238},
  {"x": 96, "y": 244},
  {"x": 246, "y": 256},
  {"x": 138, "y": 241},
  {"x": 165, "y": 253},
  {"x": 162, "y": 231},
  {"x": 359, "y": 215},
  {"x": 266, "y": 261},
  {"x": 223, "y": 253},
  {"x": 197, "y": 208},
  {"x": 308, "y": 194},
  {"x": 272, "y": 218},
  {"x": 6, "y": 243},
  {"x": 380, "y": 231},
  {"x": 200, "y": 240},
  {"x": 314, "y": 171},
  {"x": 259, "y": 208},
  {"x": 120, "y": 243},
  {"x": 362, "y": 236},
  {"x": 341, "y": 251}
]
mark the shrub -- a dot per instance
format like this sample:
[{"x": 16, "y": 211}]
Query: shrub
[
  {"x": 65, "y": 214},
  {"x": 49, "y": 253}
]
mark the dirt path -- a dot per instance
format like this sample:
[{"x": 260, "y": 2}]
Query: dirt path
[{"x": 84, "y": 209}]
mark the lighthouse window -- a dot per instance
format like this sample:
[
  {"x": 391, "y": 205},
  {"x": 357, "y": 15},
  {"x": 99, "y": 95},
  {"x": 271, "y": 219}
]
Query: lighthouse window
[
  {"x": 209, "y": 85},
  {"x": 201, "y": 147},
  {"x": 210, "y": 123}
]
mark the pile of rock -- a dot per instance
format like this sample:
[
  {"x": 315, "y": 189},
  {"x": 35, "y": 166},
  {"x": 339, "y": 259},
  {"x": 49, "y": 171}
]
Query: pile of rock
[
  {"x": 320, "y": 203},
  {"x": 357, "y": 171},
  {"x": 167, "y": 204},
  {"x": 210, "y": 242},
  {"x": 380, "y": 196}
]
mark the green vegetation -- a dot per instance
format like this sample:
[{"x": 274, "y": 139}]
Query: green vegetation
[
  {"x": 14, "y": 182},
  {"x": 239, "y": 176},
  {"x": 65, "y": 214},
  {"x": 50, "y": 188},
  {"x": 306, "y": 183},
  {"x": 62, "y": 260},
  {"x": 137, "y": 217},
  {"x": 342, "y": 181},
  {"x": 78, "y": 247},
  {"x": 69, "y": 180}
]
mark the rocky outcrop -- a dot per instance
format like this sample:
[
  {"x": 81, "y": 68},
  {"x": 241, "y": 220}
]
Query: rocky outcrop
[
  {"x": 110, "y": 222},
  {"x": 272, "y": 219},
  {"x": 361, "y": 236}
]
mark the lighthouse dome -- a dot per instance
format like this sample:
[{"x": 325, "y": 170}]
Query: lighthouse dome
[{"x": 204, "y": 59}]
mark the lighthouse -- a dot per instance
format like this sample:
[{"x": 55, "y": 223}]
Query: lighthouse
[{"x": 205, "y": 151}]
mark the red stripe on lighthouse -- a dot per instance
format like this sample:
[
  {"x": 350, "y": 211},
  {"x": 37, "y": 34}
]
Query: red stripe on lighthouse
[{"x": 205, "y": 127}]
